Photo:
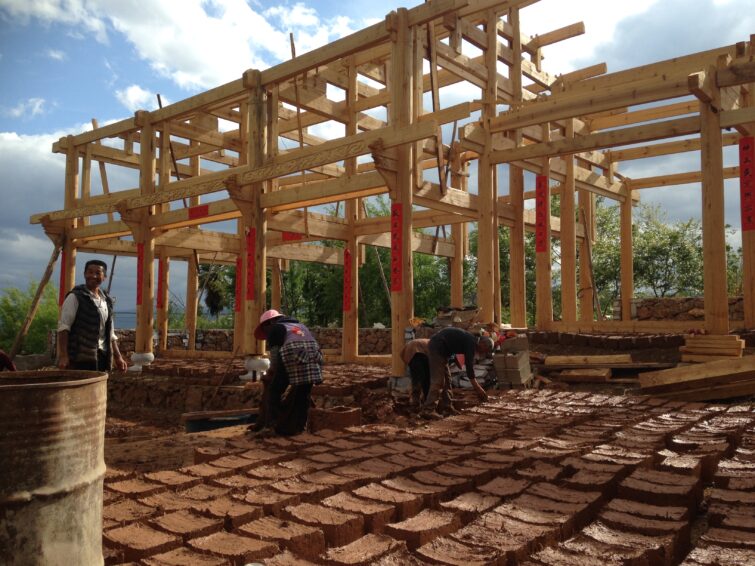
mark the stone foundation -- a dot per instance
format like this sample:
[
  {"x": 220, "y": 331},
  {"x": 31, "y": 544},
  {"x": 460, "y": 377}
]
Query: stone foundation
[{"x": 676, "y": 308}]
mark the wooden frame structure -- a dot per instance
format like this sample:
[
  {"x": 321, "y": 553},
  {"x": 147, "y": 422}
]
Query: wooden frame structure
[{"x": 221, "y": 155}]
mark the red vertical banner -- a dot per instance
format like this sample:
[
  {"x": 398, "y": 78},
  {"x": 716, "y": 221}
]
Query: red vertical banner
[
  {"x": 292, "y": 236},
  {"x": 397, "y": 264},
  {"x": 63, "y": 269},
  {"x": 346, "y": 280},
  {"x": 160, "y": 283},
  {"x": 541, "y": 213},
  {"x": 239, "y": 277},
  {"x": 139, "y": 272},
  {"x": 251, "y": 243},
  {"x": 747, "y": 182}
]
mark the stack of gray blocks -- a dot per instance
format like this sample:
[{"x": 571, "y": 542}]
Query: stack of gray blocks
[{"x": 512, "y": 364}]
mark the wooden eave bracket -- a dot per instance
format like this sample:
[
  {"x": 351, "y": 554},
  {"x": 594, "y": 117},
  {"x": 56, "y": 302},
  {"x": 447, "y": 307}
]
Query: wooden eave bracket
[
  {"x": 703, "y": 85},
  {"x": 386, "y": 163}
]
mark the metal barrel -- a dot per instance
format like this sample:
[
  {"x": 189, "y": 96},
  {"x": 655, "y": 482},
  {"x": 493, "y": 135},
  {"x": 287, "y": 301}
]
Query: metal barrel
[{"x": 52, "y": 465}]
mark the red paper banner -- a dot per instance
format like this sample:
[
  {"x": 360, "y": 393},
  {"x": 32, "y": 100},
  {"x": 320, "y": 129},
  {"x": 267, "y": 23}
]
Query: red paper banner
[
  {"x": 541, "y": 213},
  {"x": 346, "y": 280},
  {"x": 292, "y": 237},
  {"x": 747, "y": 182},
  {"x": 160, "y": 277},
  {"x": 199, "y": 211},
  {"x": 251, "y": 242},
  {"x": 63, "y": 269},
  {"x": 397, "y": 269},
  {"x": 139, "y": 272},
  {"x": 239, "y": 277}
]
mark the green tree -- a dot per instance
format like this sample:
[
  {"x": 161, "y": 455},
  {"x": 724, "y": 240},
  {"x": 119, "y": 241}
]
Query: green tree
[
  {"x": 218, "y": 284},
  {"x": 14, "y": 306}
]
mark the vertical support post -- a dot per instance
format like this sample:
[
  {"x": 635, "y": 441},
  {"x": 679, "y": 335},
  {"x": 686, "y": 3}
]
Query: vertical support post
[
  {"x": 543, "y": 280},
  {"x": 568, "y": 239},
  {"x": 458, "y": 232},
  {"x": 192, "y": 286},
  {"x": 747, "y": 204},
  {"x": 276, "y": 282},
  {"x": 586, "y": 285},
  {"x": 714, "y": 234},
  {"x": 68, "y": 260},
  {"x": 350, "y": 321},
  {"x": 163, "y": 303},
  {"x": 627, "y": 255}
]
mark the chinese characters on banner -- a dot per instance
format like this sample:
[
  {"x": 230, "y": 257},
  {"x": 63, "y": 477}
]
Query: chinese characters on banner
[
  {"x": 747, "y": 182},
  {"x": 237, "y": 302},
  {"x": 139, "y": 272},
  {"x": 397, "y": 269},
  {"x": 541, "y": 213},
  {"x": 160, "y": 275},
  {"x": 251, "y": 242},
  {"x": 346, "y": 280}
]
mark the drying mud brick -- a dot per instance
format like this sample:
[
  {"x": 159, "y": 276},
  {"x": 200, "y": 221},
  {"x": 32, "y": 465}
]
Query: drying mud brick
[
  {"x": 231, "y": 512},
  {"x": 407, "y": 504},
  {"x": 469, "y": 505},
  {"x": 625, "y": 522},
  {"x": 376, "y": 515},
  {"x": 446, "y": 550},
  {"x": 287, "y": 558},
  {"x": 272, "y": 472},
  {"x": 562, "y": 557},
  {"x": 730, "y": 538},
  {"x": 139, "y": 541},
  {"x": 513, "y": 539},
  {"x": 136, "y": 488},
  {"x": 424, "y": 527},
  {"x": 340, "y": 528},
  {"x": 648, "y": 511},
  {"x": 273, "y": 502},
  {"x": 173, "y": 479},
  {"x": 126, "y": 511},
  {"x": 655, "y": 549},
  {"x": 307, "y": 492},
  {"x": 327, "y": 478},
  {"x": 237, "y": 549},
  {"x": 167, "y": 502},
  {"x": 453, "y": 485},
  {"x": 505, "y": 487},
  {"x": 206, "y": 471},
  {"x": 430, "y": 494},
  {"x": 714, "y": 555},
  {"x": 203, "y": 492},
  {"x": 661, "y": 488},
  {"x": 184, "y": 557},
  {"x": 186, "y": 524},
  {"x": 302, "y": 540},
  {"x": 363, "y": 551}
]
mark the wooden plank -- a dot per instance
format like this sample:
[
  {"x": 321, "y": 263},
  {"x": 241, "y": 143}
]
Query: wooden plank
[
  {"x": 588, "y": 360},
  {"x": 743, "y": 388},
  {"x": 202, "y": 415},
  {"x": 703, "y": 358},
  {"x": 195, "y": 354},
  {"x": 705, "y": 350},
  {"x": 583, "y": 375},
  {"x": 680, "y": 179},
  {"x": 730, "y": 367}
]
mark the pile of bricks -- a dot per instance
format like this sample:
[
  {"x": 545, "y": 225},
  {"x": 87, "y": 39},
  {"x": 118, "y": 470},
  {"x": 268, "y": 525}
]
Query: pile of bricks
[{"x": 531, "y": 477}]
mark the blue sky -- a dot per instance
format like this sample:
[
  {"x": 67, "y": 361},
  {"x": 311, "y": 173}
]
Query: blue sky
[{"x": 64, "y": 62}]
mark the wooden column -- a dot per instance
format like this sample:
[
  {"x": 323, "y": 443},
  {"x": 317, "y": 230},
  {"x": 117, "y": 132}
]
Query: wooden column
[
  {"x": 458, "y": 232},
  {"x": 748, "y": 233},
  {"x": 68, "y": 254},
  {"x": 586, "y": 292},
  {"x": 190, "y": 314},
  {"x": 350, "y": 320},
  {"x": 714, "y": 232},
  {"x": 276, "y": 284},
  {"x": 568, "y": 239},
  {"x": 163, "y": 302},
  {"x": 543, "y": 281},
  {"x": 400, "y": 114},
  {"x": 627, "y": 256}
]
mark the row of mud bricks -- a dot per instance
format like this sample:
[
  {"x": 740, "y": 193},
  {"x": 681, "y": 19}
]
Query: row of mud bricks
[{"x": 530, "y": 478}]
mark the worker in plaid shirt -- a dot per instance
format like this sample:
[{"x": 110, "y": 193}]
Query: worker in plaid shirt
[{"x": 295, "y": 365}]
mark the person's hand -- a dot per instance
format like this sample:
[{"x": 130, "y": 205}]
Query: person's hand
[
  {"x": 63, "y": 362},
  {"x": 120, "y": 363}
]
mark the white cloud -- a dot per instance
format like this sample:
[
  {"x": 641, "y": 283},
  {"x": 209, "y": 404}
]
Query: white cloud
[
  {"x": 71, "y": 12},
  {"x": 27, "y": 108},
  {"x": 136, "y": 98},
  {"x": 56, "y": 55}
]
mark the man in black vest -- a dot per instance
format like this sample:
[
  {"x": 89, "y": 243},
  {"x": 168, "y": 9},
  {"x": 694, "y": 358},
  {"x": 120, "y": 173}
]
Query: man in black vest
[{"x": 86, "y": 337}]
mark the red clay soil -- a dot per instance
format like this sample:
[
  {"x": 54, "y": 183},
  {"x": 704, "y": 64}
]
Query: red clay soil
[{"x": 538, "y": 478}]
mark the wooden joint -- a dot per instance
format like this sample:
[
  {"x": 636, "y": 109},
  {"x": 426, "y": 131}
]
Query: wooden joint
[
  {"x": 703, "y": 85},
  {"x": 142, "y": 118},
  {"x": 251, "y": 79},
  {"x": 391, "y": 23}
]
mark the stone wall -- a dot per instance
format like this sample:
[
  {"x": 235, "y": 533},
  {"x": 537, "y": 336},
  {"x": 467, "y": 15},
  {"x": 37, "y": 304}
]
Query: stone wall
[{"x": 677, "y": 308}]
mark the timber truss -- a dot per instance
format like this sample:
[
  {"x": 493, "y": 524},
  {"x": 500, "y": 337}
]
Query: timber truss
[{"x": 249, "y": 151}]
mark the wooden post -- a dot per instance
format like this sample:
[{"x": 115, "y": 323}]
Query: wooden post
[
  {"x": 586, "y": 289},
  {"x": 714, "y": 232},
  {"x": 458, "y": 232},
  {"x": 568, "y": 239},
  {"x": 276, "y": 282},
  {"x": 544, "y": 287},
  {"x": 400, "y": 113},
  {"x": 350, "y": 320},
  {"x": 627, "y": 256},
  {"x": 190, "y": 314},
  {"x": 68, "y": 261},
  {"x": 163, "y": 302},
  {"x": 748, "y": 233}
]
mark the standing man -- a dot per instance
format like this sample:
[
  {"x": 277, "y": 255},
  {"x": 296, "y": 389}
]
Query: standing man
[
  {"x": 446, "y": 343},
  {"x": 296, "y": 365},
  {"x": 86, "y": 337}
]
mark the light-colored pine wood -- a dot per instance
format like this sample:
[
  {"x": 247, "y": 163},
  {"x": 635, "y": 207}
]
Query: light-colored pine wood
[
  {"x": 583, "y": 375},
  {"x": 588, "y": 360}
]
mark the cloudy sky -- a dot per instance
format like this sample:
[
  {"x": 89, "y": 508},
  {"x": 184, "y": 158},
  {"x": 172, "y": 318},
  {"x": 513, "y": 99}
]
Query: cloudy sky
[{"x": 64, "y": 62}]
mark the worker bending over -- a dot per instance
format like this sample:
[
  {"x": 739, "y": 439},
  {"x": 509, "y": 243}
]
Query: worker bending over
[
  {"x": 446, "y": 343},
  {"x": 415, "y": 355},
  {"x": 296, "y": 365}
]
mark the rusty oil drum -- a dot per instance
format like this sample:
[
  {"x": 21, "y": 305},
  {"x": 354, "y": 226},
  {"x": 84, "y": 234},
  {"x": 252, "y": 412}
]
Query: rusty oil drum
[{"x": 52, "y": 436}]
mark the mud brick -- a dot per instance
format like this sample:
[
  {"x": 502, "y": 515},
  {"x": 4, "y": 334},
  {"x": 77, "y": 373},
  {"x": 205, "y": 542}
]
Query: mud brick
[
  {"x": 505, "y": 487},
  {"x": 730, "y": 538},
  {"x": 340, "y": 528},
  {"x": 381, "y": 466},
  {"x": 327, "y": 458},
  {"x": 469, "y": 505},
  {"x": 139, "y": 541},
  {"x": 272, "y": 502},
  {"x": 591, "y": 500},
  {"x": 183, "y": 557},
  {"x": 477, "y": 474},
  {"x": 272, "y": 472},
  {"x": 302, "y": 540},
  {"x": 238, "y": 482},
  {"x": 344, "y": 444},
  {"x": 231, "y": 512},
  {"x": 741, "y": 521},
  {"x": 607, "y": 454},
  {"x": 407, "y": 463},
  {"x": 430, "y": 494},
  {"x": 287, "y": 558},
  {"x": 407, "y": 504},
  {"x": 235, "y": 463},
  {"x": 377, "y": 450},
  {"x": 504, "y": 462},
  {"x": 453, "y": 485},
  {"x": 136, "y": 488},
  {"x": 186, "y": 524},
  {"x": 173, "y": 479},
  {"x": 126, "y": 511},
  {"x": 206, "y": 471},
  {"x": 681, "y": 463},
  {"x": 655, "y": 549},
  {"x": 278, "y": 442},
  {"x": 363, "y": 551},
  {"x": 359, "y": 474},
  {"x": 541, "y": 471},
  {"x": 303, "y": 465},
  {"x": 238, "y": 550},
  {"x": 583, "y": 547},
  {"x": 113, "y": 475},
  {"x": 733, "y": 497},
  {"x": 543, "y": 511},
  {"x": 330, "y": 479},
  {"x": 562, "y": 557},
  {"x": 264, "y": 456},
  {"x": 423, "y": 527},
  {"x": 204, "y": 454},
  {"x": 625, "y": 522},
  {"x": 654, "y": 512},
  {"x": 446, "y": 550},
  {"x": 307, "y": 492},
  {"x": 167, "y": 501},
  {"x": 110, "y": 497},
  {"x": 401, "y": 447},
  {"x": 661, "y": 488},
  {"x": 203, "y": 492},
  {"x": 376, "y": 515},
  {"x": 714, "y": 555},
  {"x": 112, "y": 556},
  {"x": 741, "y": 484},
  {"x": 513, "y": 539}
]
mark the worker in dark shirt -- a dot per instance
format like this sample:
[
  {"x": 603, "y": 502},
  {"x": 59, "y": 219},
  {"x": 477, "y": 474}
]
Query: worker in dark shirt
[
  {"x": 415, "y": 355},
  {"x": 6, "y": 363},
  {"x": 295, "y": 365},
  {"x": 446, "y": 343}
]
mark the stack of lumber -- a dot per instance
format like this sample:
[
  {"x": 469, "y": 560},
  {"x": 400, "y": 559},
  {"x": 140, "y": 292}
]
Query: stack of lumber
[
  {"x": 617, "y": 360},
  {"x": 708, "y": 348},
  {"x": 584, "y": 375},
  {"x": 721, "y": 379}
]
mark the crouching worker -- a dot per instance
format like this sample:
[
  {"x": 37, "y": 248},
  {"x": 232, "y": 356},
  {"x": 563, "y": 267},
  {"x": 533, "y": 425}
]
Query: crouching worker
[
  {"x": 295, "y": 365},
  {"x": 415, "y": 355},
  {"x": 446, "y": 343}
]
